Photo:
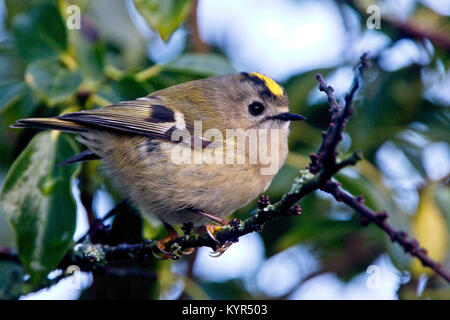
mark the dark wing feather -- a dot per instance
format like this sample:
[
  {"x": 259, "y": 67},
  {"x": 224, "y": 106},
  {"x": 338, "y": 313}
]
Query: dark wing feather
[{"x": 137, "y": 116}]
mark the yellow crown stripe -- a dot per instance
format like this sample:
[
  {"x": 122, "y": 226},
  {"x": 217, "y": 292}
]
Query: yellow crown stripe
[{"x": 274, "y": 87}]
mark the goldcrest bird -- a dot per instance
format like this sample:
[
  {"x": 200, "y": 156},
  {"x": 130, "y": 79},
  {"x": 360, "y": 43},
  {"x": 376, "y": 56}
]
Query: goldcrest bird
[{"x": 135, "y": 141}]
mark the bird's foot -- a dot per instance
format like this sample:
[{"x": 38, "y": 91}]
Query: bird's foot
[
  {"x": 211, "y": 229},
  {"x": 221, "y": 246},
  {"x": 161, "y": 245},
  {"x": 220, "y": 249},
  {"x": 173, "y": 252}
]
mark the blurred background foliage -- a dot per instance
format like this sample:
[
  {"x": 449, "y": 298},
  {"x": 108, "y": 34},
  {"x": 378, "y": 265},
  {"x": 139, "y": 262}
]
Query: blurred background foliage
[{"x": 401, "y": 125}]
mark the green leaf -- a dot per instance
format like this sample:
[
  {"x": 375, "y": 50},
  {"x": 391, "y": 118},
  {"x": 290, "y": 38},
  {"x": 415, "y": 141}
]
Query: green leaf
[
  {"x": 37, "y": 201},
  {"x": 90, "y": 56},
  {"x": 11, "y": 280},
  {"x": 40, "y": 33},
  {"x": 205, "y": 64},
  {"x": 11, "y": 141},
  {"x": 164, "y": 16},
  {"x": 15, "y": 7},
  {"x": 52, "y": 81},
  {"x": 10, "y": 92}
]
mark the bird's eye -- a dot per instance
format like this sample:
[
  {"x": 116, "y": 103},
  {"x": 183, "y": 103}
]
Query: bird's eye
[{"x": 256, "y": 108}]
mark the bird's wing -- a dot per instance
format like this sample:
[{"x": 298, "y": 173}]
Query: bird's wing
[{"x": 147, "y": 116}]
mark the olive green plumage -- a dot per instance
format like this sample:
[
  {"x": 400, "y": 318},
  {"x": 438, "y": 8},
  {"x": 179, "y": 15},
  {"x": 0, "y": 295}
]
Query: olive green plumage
[{"x": 134, "y": 140}]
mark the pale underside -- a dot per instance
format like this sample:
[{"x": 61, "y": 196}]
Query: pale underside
[{"x": 142, "y": 169}]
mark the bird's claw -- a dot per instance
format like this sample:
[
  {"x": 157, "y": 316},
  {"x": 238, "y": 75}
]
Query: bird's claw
[
  {"x": 188, "y": 251},
  {"x": 220, "y": 249},
  {"x": 164, "y": 255},
  {"x": 168, "y": 253},
  {"x": 211, "y": 229},
  {"x": 161, "y": 245}
]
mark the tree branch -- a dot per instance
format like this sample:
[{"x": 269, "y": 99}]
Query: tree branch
[
  {"x": 325, "y": 159},
  {"x": 409, "y": 244}
]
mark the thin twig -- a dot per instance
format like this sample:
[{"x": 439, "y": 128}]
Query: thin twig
[
  {"x": 409, "y": 244},
  {"x": 325, "y": 158}
]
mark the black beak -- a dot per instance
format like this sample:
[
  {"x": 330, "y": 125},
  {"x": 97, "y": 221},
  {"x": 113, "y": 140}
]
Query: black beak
[{"x": 288, "y": 117}]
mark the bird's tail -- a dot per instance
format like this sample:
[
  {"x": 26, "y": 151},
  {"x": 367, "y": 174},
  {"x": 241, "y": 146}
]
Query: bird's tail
[{"x": 50, "y": 123}]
